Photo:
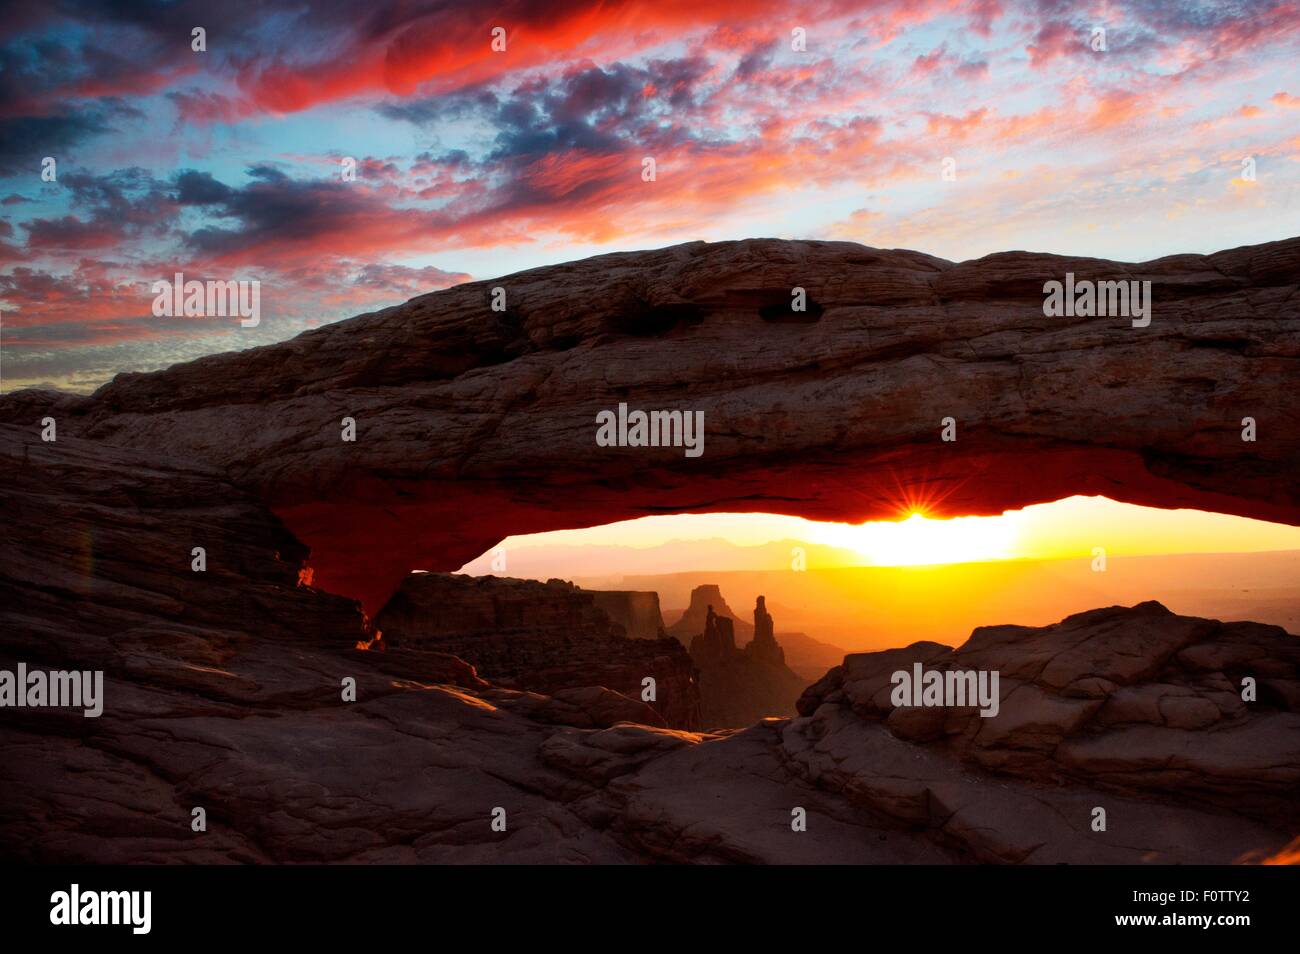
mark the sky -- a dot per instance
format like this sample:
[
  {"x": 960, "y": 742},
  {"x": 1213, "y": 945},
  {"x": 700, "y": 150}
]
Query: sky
[
  {"x": 1074, "y": 528},
  {"x": 230, "y": 161}
]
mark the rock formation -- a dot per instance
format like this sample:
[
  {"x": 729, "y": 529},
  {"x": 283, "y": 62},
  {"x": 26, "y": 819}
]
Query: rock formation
[
  {"x": 1132, "y": 704},
  {"x": 472, "y": 424},
  {"x": 435, "y": 607},
  {"x": 204, "y": 537},
  {"x": 808, "y": 657},
  {"x": 637, "y": 612},
  {"x": 763, "y": 648},
  {"x": 541, "y": 637},
  {"x": 705, "y": 599},
  {"x": 717, "y": 643},
  {"x": 740, "y": 686},
  {"x": 222, "y": 691}
]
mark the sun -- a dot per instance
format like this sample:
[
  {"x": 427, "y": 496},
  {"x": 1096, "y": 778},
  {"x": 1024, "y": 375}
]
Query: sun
[{"x": 920, "y": 541}]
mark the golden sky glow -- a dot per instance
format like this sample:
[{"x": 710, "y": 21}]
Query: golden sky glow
[{"x": 1066, "y": 528}]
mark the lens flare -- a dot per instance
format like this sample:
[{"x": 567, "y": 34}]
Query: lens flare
[{"x": 919, "y": 540}]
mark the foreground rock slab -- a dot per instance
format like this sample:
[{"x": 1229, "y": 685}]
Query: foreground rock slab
[{"x": 223, "y": 691}]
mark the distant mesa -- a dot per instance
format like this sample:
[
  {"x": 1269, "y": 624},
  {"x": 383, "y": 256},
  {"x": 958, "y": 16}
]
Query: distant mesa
[
  {"x": 704, "y": 598},
  {"x": 546, "y": 638},
  {"x": 637, "y": 612},
  {"x": 741, "y": 685}
]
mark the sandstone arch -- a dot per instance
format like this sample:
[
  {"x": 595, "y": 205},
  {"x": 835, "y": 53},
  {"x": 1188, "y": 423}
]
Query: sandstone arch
[{"x": 472, "y": 424}]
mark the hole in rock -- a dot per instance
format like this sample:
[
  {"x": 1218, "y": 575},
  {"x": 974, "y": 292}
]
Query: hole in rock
[
  {"x": 646, "y": 320},
  {"x": 782, "y": 312},
  {"x": 762, "y": 605},
  {"x": 890, "y": 583}
]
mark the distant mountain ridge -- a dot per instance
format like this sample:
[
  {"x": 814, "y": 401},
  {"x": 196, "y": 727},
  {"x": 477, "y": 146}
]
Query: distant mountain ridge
[
  {"x": 594, "y": 560},
  {"x": 869, "y": 608}
]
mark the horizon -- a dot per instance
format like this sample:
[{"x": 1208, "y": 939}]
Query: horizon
[
  {"x": 849, "y": 566},
  {"x": 1064, "y": 529},
  {"x": 1025, "y": 567},
  {"x": 350, "y": 168}
]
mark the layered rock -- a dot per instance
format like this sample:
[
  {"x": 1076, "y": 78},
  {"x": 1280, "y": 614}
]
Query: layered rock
[
  {"x": 636, "y": 611},
  {"x": 435, "y": 607},
  {"x": 227, "y": 688},
  {"x": 740, "y": 686},
  {"x": 473, "y": 424},
  {"x": 880, "y": 783},
  {"x": 224, "y": 691},
  {"x": 107, "y": 557},
  {"x": 1134, "y": 700},
  {"x": 706, "y": 600},
  {"x": 542, "y": 637}
]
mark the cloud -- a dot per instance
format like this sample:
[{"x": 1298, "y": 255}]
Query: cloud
[
  {"x": 507, "y": 160},
  {"x": 113, "y": 207},
  {"x": 200, "y": 188},
  {"x": 26, "y": 140},
  {"x": 940, "y": 61},
  {"x": 407, "y": 281}
]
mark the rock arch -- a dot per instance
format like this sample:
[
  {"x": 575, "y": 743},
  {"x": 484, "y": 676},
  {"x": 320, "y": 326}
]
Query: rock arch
[{"x": 472, "y": 424}]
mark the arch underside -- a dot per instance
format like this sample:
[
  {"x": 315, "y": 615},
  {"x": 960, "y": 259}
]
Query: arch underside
[{"x": 472, "y": 425}]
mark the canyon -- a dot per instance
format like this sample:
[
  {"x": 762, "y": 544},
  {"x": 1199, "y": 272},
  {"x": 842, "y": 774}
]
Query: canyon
[
  {"x": 222, "y": 688},
  {"x": 740, "y": 684},
  {"x": 542, "y": 637}
]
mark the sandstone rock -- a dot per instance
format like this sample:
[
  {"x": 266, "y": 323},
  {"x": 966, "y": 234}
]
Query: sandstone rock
[
  {"x": 716, "y": 645},
  {"x": 585, "y": 707},
  {"x": 543, "y": 637},
  {"x": 637, "y": 612},
  {"x": 472, "y": 424},
  {"x": 217, "y": 697},
  {"x": 740, "y": 686},
  {"x": 764, "y": 648},
  {"x": 433, "y": 608},
  {"x": 708, "y": 598},
  {"x": 863, "y": 680},
  {"x": 1122, "y": 698},
  {"x": 222, "y": 688}
]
